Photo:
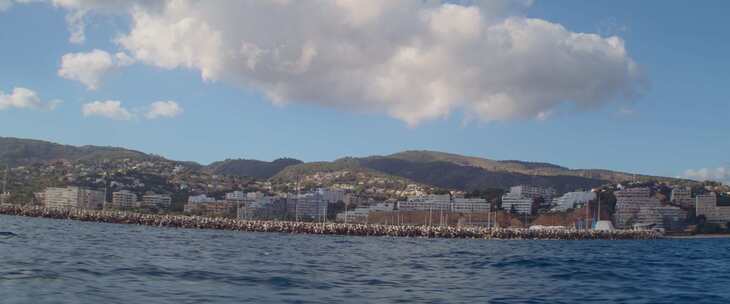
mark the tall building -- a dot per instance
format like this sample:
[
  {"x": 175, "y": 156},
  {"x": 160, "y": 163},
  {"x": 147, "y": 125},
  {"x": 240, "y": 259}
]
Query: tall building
[
  {"x": 432, "y": 202},
  {"x": 200, "y": 199},
  {"x": 4, "y": 196},
  {"x": 682, "y": 196},
  {"x": 124, "y": 200},
  {"x": 706, "y": 205},
  {"x": 74, "y": 197},
  {"x": 470, "y": 205},
  {"x": 209, "y": 206},
  {"x": 533, "y": 192},
  {"x": 157, "y": 201},
  {"x": 635, "y": 207},
  {"x": 360, "y": 214},
  {"x": 522, "y": 198},
  {"x": 571, "y": 199},
  {"x": 308, "y": 206},
  {"x": 444, "y": 202},
  {"x": 236, "y": 196},
  {"x": 264, "y": 207},
  {"x": 331, "y": 195}
]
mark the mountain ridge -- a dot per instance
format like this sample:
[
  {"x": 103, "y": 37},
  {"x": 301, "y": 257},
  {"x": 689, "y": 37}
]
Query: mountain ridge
[{"x": 433, "y": 168}]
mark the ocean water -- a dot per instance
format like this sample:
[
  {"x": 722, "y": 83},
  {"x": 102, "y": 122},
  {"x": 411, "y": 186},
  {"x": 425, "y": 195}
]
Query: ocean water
[{"x": 58, "y": 261}]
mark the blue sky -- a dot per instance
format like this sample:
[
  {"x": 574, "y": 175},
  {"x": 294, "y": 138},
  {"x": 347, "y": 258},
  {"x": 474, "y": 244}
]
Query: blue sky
[{"x": 679, "y": 123}]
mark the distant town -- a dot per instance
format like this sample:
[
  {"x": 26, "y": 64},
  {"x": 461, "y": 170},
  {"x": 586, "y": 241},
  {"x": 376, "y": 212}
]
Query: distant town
[
  {"x": 631, "y": 206},
  {"x": 410, "y": 188}
]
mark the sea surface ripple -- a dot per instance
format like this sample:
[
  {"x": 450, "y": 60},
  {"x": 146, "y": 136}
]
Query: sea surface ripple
[{"x": 60, "y": 261}]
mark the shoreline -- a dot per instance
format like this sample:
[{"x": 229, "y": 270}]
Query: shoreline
[
  {"x": 699, "y": 236},
  {"x": 196, "y": 222}
]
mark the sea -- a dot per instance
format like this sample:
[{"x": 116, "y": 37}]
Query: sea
[{"x": 63, "y": 261}]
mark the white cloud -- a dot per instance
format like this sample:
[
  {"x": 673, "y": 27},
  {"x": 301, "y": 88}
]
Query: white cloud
[
  {"x": 164, "y": 109},
  {"x": 5, "y": 4},
  {"x": 79, "y": 11},
  {"x": 22, "y": 98},
  {"x": 89, "y": 68},
  {"x": 719, "y": 174},
  {"x": 414, "y": 60},
  {"x": 111, "y": 109}
]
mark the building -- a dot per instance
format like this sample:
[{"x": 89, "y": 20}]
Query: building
[
  {"x": 124, "y": 200},
  {"x": 4, "y": 196},
  {"x": 636, "y": 207},
  {"x": 533, "y": 192},
  {"x": 706, "y": 205},
  {"x": 157, "y": 201},
  {"x": 521, "y": 199},
  {"x": 360, "y": 214},
  {"x": 470, "y": 205},
  {"x": 431, "y": 202},
  {"x": 308, "y": 206},
  {"x": 444, "y": 202},
  {"x": 571, "y": 199},
  {"x": 74, "y": 197},
  {"x": 207, "y": 206},
  {"x": 682, "y": 196},
  {"x": 200, "y": 199},
  {"x": 257, "y": 205},
  {"x": 516, "y": 204},
  {"x": 628, "y": 204},
  {"x": 40, "y": 198},
  {"x": 236, "y": 196},
  {"x": 331, "y": 195}
]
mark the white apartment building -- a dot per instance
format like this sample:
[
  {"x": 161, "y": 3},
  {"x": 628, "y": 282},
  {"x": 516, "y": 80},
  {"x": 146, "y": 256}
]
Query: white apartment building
[
  {"x": 521, "y": 198},
  {"x": 74, "y": 197},
  {"x": 471, "y": 205},
  {"x": 682, "y": 196},
  {"x": 4, "y": 197},
  {"x": 124, "y": 200},
  {"x": 310, "y": 207},
  {"x": 250, "y": 205},
  {"x": 533, "y": 192},
  {"x": 706, "y": 204},
  {"x": 196, "y": 199},
  {"x": 159, "y": 201},
  {"x": 255, "y": 195},
  {"x": 331, "y": 195},
  {"x": 518, "y": 204},
  {"x": 636, "y": 207},
  {"x": 433, "y": 202},
  {"x": 571, "y": 199},
  {"x": 236, "y": 196},
  {"x": 444, "y": 202},
  {"x": 360, "y": 214}
]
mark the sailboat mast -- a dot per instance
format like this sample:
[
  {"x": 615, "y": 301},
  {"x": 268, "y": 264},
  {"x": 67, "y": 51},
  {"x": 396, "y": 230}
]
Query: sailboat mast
[
  {"x": 5, "y": 180},
  {"x": 3, "y": 194}
]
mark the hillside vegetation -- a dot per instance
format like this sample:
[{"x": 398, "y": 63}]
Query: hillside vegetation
[{"x": 374, "y": 174}]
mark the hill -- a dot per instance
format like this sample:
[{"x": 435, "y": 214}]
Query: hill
[
  {"x": 20, "y": 152},
  {"x": 251, "y": 168},
  {"x": 390, "y": 174},
  {"x": 452, "y": 171}
]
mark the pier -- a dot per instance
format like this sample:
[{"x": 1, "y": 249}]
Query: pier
[{"x": 196, "y": 222}]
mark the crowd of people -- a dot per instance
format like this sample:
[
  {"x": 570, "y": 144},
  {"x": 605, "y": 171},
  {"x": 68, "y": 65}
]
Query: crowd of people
[{"x": 197, "y": 222}]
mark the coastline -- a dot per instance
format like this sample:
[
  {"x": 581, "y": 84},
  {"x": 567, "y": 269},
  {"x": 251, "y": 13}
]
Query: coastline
[
  {"x": 196, "y": 222},
  {"x": 699, "y": 236}
]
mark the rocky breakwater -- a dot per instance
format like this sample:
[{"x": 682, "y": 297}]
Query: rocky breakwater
[{"x": 196, "y": 222}]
